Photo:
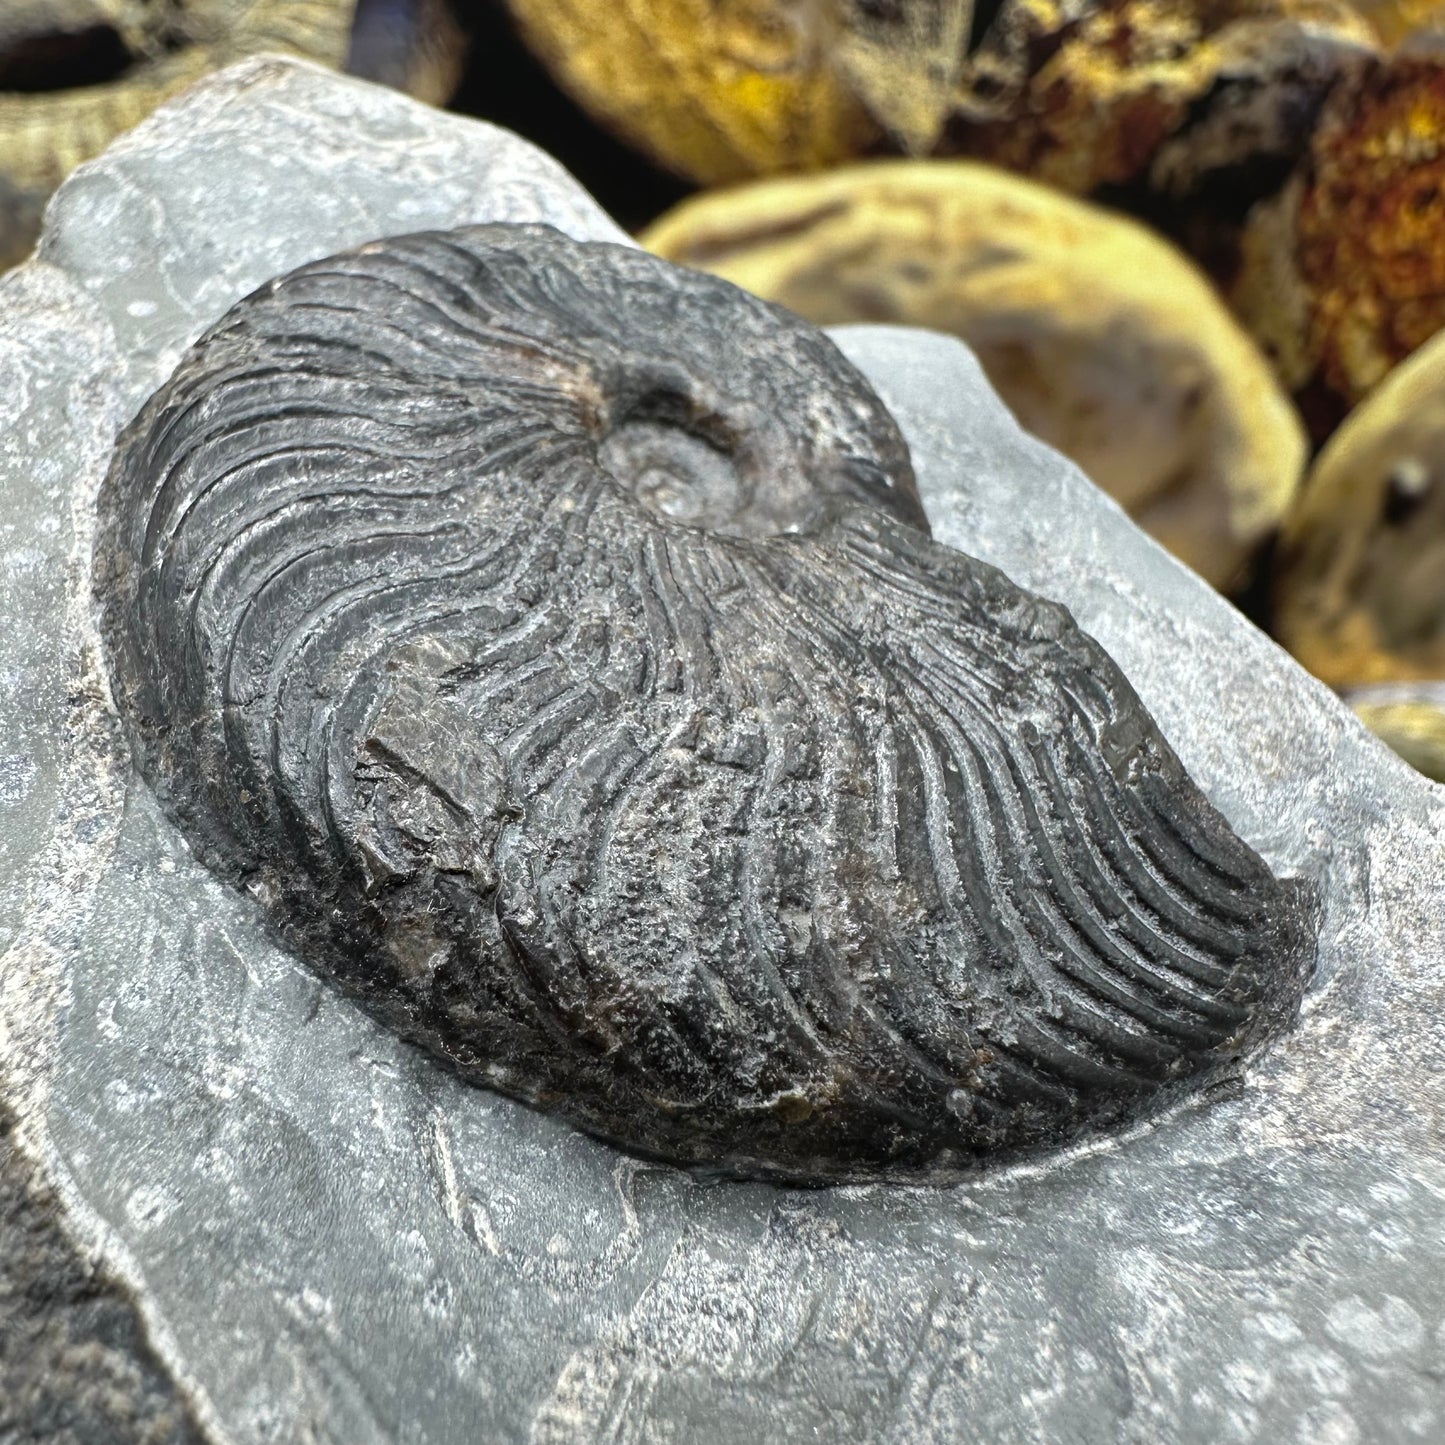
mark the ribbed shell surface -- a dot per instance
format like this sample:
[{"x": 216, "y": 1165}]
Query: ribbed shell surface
[{"x": 552, "y": 640}]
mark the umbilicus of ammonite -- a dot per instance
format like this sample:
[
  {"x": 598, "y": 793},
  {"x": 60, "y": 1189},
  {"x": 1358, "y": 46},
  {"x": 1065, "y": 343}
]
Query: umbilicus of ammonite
[
  {"x": 1101, "y": 337},
  {"x": 551, "y": 640}
]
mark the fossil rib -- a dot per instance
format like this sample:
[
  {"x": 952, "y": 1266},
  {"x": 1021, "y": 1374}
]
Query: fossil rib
[{"x": 552, "y": 639}]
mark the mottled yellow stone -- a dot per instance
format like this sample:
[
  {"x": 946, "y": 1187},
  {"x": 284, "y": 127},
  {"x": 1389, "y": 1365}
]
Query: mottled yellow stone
[
  {"x": 715, "y": 89},
  {"x": 1360, "y": 582}
]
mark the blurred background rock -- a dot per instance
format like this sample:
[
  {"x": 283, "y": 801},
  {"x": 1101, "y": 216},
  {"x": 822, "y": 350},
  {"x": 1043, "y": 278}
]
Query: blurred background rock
[
  {"x": 1278, "y": 287},
  {"x": 1102, "y": 338}
]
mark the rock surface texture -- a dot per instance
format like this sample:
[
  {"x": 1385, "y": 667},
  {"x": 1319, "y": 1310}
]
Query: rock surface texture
[{"x": 313, "y": 1232}]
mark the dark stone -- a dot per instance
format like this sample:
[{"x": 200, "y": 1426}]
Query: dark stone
[{"x": 76, "y": 1365}]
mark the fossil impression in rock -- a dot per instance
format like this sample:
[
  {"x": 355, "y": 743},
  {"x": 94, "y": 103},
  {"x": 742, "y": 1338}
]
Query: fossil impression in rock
[
  {"x": 552, "y": 640},
  {"x": 1101, "y": 337}
]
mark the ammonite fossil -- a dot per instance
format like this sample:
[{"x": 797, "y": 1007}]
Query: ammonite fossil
[
  {"x": 552, "y": 640},
  {"x": 1101, "y": 337}
]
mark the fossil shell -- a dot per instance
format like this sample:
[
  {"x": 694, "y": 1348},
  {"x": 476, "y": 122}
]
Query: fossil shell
[
  {"x": 551, "y": 638},
  {"x": 1360, "y": 576},
  {"x": 1101, "y": 337}
]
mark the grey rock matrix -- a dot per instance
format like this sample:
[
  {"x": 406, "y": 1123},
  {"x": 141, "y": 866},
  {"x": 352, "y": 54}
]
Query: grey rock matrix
[{"x": 319, "y": 1233}]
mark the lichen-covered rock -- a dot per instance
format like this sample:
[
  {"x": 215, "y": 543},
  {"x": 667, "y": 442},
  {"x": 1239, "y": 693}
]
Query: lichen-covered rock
[
  {"x": 1343, "y": 273},
  {"x": 1102, "y": 339},
  {"x": 326, "y": 1236}
]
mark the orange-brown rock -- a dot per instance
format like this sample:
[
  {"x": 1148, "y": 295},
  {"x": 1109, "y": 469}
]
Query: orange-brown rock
[
  {"x": 1344, "y": 272},
  {"x": 1158, "y": 94}
]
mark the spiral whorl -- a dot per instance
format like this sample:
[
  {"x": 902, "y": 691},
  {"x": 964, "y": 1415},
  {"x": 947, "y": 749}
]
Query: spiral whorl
[{"x": 552, "y": 639}]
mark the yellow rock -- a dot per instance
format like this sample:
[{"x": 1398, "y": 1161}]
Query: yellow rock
[
  {"x": 1360, "y": 582},
  {"x": 715, "y": 89},
  {"x": 1409, "y": 721},
  {"x": 1101, "y": 337}
]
